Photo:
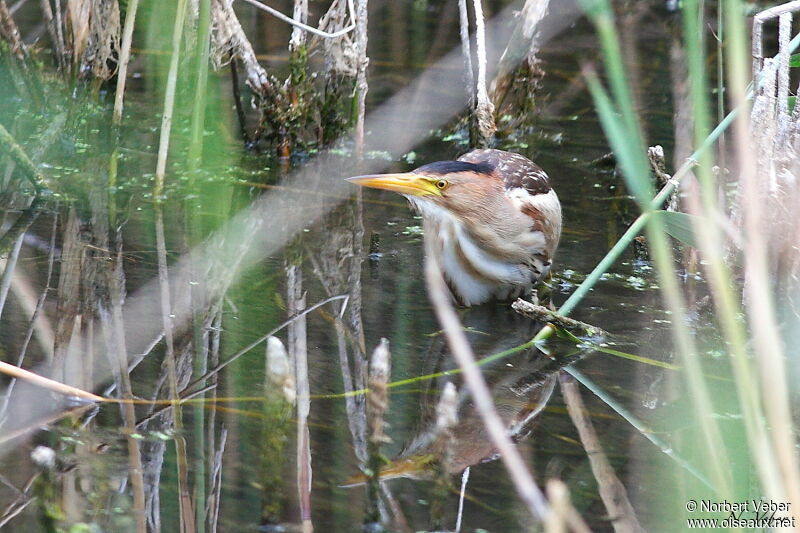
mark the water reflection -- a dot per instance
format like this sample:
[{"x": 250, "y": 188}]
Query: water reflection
[{"x": 521, "y": 384}]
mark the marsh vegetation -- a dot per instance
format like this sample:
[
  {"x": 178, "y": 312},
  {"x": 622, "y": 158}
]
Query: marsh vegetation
[{"x": 203, "y": 327}]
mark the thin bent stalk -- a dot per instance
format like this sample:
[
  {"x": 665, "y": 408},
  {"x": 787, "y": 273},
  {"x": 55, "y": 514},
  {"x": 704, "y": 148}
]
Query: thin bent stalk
[
  {"x": 462, "y": 352},
  {"x": 186, "y": 513}
]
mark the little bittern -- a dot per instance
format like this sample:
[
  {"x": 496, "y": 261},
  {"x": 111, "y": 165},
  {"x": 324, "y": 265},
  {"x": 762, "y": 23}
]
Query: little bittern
[{"x": 492, "y": 217}]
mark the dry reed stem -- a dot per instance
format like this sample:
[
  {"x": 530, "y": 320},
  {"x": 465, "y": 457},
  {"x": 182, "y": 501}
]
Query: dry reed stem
[
  {"x": 117, "y": 346},
  {"x": 10, "y": 32},
  {"x": 522, "y": 44},
  {"x": 51, "y": 384},
  {"x": 298, "y": 353},
  {"x": 215, "y": 496},
  {"x": 53, "y": 31},
  {"x": 9, "y": 264},
  {"x": 124, "y": 58},
  {"x": 361, "y": 74},
  {"x": 466, "y": 52},
  {"x": 484, "y": 108},
  {"x": 45, "y": 332},
  {"x": 299, "y": 14},
  {"x": 564, "y": 516},
  {"x": 462, "y": 352},
  {"x": 10, "y": 146},
  {"x": 461, "y": 494},
  {"x": 446, "y": 420},
  {"x": 185, "y": 503},
  {"x": 230, "y": 43},
  {"x": 612, "y": 492},
  {"x": 219, "y": 366}
]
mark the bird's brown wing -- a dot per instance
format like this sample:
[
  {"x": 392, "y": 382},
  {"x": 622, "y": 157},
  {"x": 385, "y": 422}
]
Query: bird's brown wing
[
  {"x": 528, "y": 188},
  {"x": 514, "y": 170}
]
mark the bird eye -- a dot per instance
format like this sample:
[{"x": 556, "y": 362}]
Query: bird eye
[{"x": 441, "y": 184}]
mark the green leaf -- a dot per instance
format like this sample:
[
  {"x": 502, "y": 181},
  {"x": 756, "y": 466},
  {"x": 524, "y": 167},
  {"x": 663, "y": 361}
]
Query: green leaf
[
  {"x": 792, "y": 103},
  {"x": 794, "y": 60},
  {"x": 680, "y": 226}
]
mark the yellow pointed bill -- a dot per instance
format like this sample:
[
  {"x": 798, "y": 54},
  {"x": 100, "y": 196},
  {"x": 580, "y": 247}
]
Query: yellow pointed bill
[{"x": 405, "y": 183}]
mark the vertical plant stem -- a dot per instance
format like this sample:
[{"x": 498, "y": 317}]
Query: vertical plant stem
[
  {"x": 300, "y": 14},
  {"x": 626, "y": 139},
  {"x": 124, "y": 58},
  {"x": 298, "y": 353},
  {"x": 469, "y": 72},
  {"x": 52, "y": 30},
  {"x": 462, "y": 352},
  {"x": 361, "y": 75},
  {"x": 461, "y": 494},
  {"x": 185, "y": 504},
  {"x": 118, "y": 346},
  {"x": 199, "y": 336},
  {"x": 484, "y": 108}
]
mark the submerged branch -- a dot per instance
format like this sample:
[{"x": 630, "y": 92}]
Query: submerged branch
[{"x": 539, "y": 312}]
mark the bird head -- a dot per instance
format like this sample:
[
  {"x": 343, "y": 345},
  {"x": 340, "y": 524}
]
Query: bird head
[{"x": 459, "y": 188}]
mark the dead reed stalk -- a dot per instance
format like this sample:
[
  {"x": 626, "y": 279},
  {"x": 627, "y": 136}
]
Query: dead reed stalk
[
  {"x": 362, "y": 62},
  {"x": 466, "y": 52},
  {"x": 124, "y": 58},
  {"x": 187, "y": 519},
  {"x": 298, "y": 354},
  {"x": 484, "y": 109}
]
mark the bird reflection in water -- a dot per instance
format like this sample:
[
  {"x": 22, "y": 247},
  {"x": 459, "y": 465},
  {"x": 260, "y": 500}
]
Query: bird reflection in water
[{"x": 521, "y": 385}]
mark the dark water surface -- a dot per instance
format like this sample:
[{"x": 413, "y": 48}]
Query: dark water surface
[{"x": 562, "y": 135}]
